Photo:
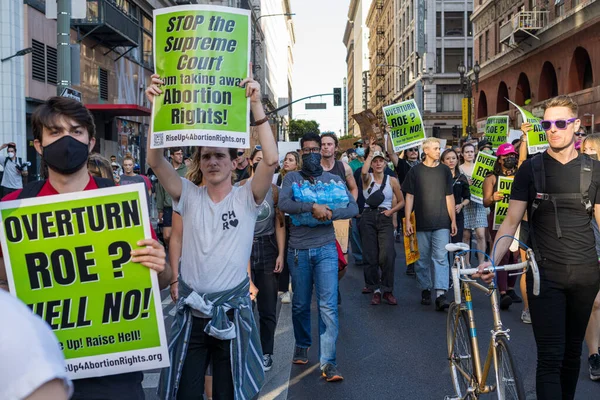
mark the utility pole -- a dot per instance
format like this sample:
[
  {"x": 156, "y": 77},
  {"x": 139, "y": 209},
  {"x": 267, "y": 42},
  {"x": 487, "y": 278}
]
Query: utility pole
[{"x": 63, "y": 44}]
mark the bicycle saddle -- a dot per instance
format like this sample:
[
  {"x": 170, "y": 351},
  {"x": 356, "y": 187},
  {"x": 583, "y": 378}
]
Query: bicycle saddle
[{"x": 457, "y": 247}]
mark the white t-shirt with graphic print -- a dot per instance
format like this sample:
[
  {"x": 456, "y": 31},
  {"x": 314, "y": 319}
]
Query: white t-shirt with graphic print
[{"x": 217, "y": 237}]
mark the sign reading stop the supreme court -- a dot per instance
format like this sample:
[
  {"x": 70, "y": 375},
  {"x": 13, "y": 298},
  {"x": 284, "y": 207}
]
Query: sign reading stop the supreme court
[
  {"x": 68, "y": 257},
  {"x": 202, "y": 54}
]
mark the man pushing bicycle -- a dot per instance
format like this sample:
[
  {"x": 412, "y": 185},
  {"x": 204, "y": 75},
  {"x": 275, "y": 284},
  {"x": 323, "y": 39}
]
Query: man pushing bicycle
[{"x": 559, "y": 190}]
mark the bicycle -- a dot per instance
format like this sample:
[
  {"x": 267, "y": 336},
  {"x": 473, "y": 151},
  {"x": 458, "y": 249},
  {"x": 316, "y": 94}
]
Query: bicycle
[{"x": 468, "y": 378}]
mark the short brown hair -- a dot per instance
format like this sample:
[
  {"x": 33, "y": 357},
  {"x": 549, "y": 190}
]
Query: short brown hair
[
  {"x": 128, "y": 158},
  {"x": 174, "y": 150},
  {"x": 48, "y": 114},
  {"x": 562, "y": 101}
]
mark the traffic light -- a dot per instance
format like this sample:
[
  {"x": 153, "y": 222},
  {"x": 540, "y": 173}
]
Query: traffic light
[
  {"x": 455, "y": 131},
  {"x": 337, "y": 96}
]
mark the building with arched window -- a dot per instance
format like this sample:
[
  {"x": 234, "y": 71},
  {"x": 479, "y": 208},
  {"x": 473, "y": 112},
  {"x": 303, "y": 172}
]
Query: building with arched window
[{"x": 532, "y": 50}]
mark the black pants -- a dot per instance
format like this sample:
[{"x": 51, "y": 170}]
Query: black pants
[
  {"x": 202, "y": 350},
  {"x": 377, "y": 238},
  {"x": 6, "y": 191},
  {"x": 559, "y": 317},
  {"x": 284, "y": 276},
  {"x": 262, "y": 262}
]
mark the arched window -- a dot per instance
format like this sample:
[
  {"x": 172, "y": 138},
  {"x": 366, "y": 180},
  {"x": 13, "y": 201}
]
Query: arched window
[
  {"x": 548, "y": 83},
  {"x": 502, "y": 99},
  {"x": 482, "y": 110},
  {"x": 580, "y": 72},
  {"x": 523, "y": 90}
]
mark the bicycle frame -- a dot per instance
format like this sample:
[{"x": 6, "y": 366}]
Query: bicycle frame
[{"x": 498, "y": 330}]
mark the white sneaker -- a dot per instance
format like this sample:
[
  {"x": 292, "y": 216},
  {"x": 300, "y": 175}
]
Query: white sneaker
[
  {"x": 526, "y": 317},
  {"x": 286, "y": 298}
]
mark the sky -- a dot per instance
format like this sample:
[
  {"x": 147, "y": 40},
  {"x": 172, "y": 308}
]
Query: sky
[{"x": 319, "y": 58}]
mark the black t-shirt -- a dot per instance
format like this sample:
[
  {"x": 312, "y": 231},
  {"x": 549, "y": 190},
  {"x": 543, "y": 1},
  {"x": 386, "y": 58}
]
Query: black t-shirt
[
  {"x": 577, "y": 244},
  {"x": 241, "y": 174},
  {"x": 460, "y": 188},
  {"x": 429, "y": 186}
]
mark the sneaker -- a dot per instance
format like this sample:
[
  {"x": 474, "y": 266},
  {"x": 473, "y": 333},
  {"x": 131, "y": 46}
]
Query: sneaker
[
  {"x": 267, "y": 362},
  {"x": 505, "y": 301},
  {"x": 426, "y": 297},
  {"x": 300, "y": 355},
  {"x": 367, "y": 290},
  {"x": 286, "y": 298},
  {"x": 594, "y": 361},
  {"x": 389, "y": 297},
  {"x": 526, "y": 317},
  {"x": 514, "y": 296},
  {"x": 410, "y": 270},
  {"x": 376, "y": 300},
  {"x": 441, "y": 303},
  {"x": 331, "y": 374}
]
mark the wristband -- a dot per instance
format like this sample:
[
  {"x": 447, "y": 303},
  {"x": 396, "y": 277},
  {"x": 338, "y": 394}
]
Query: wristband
[
  {"x": 260, "y": 121},
  {"x": 174, "y": 282}
]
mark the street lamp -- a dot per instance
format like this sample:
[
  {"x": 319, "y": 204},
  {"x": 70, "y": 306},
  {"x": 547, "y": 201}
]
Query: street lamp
[
  {"x": 19, "y": 53},
  {"x": 466, "y": 86},
  {"x": 256, "y": 41}
]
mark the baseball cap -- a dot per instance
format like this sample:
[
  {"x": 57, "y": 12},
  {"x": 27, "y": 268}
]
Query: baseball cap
[
  {"x": 114, "y": 164},
  {"x": 350, "y": 151},
  {"x": 505, "y": 149},
  {"x": 378, "y": 154},
  {"x": 483, "y": 143}
]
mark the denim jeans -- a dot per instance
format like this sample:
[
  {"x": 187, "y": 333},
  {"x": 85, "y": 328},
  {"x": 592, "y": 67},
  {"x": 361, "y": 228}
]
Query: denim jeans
[
  {"x": 355, "y": 242},
  {"x": 318, "y": 266},
  {"x": 559, "y": 317},
  {"x": 433, "y": 254},
  {"x": 262, "y": 261}
]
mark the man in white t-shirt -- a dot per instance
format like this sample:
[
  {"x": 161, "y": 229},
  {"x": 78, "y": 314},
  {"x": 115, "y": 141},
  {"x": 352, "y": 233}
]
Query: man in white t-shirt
[
  {"x": 215, "y": 313},
  {"x": 32, "y": 366}
]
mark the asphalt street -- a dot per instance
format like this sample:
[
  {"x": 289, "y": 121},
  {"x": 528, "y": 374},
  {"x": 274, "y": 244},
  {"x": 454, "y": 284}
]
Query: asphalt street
[{"x": 387, "y": 352}]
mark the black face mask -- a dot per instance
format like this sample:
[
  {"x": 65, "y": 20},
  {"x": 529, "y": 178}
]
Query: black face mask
[
  {"x": 593, "y": 156},
  {"x": 311, "y": 164},
  {"x": 66, "y": 156},
  {"x": 510, "y": 162},
  {"x": 254, "y": 166}
]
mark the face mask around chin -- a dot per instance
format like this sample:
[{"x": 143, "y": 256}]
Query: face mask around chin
[{"x": 593, "y": 156}]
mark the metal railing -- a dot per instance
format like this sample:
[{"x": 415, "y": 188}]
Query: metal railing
[{"x": 525, "y": 21}]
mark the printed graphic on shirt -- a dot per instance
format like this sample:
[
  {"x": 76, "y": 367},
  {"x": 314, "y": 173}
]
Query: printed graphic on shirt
[
  {"x": 264, "y": 212},
  {"x": 68, "y": 258},
  {"x": 229, "y": 220}
]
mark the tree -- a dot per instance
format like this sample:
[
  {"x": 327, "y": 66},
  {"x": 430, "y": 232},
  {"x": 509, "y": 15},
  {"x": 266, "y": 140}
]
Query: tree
[{"x": 299, "y": 127}]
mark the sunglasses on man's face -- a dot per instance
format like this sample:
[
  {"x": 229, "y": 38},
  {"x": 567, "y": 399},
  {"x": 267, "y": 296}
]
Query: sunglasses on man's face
[
  {"x": 240, "y": 153},
  {"x": 559, "y": 123},
  {"x": 413, "y": 149}
]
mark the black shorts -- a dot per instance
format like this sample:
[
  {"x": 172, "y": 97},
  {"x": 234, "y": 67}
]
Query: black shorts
[{"x": 167, "y": 217}]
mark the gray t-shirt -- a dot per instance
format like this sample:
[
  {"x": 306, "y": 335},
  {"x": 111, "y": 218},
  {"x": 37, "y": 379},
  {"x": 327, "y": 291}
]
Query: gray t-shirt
[
  {"x": 265, "y": 222},
  {"x": 217, "y": 237},
  {"x": 128, "y": 180},
  {"x": 304, "y": 237},
  {"x": 12, "y": 178}
]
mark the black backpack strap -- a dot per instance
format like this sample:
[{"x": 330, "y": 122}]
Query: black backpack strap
[
  {"x": 585, "y": 180},
  {"x": 32, "y": 189},
  {"x": 104, "y": 183},
  {"x": 383, "y": 182}
]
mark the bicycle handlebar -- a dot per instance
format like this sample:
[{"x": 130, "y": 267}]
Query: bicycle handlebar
[{"x": 530, "y": 263}]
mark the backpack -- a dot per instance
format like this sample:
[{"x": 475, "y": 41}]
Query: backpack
[
  {"x": 32, "y": 189},
  {"x": 539, "y": 182},
  {"x": 20, "y": 162}
]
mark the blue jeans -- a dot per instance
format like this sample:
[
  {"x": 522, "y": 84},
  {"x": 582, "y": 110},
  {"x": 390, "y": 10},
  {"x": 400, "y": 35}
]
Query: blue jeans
[
  {"x": 433, "y": 254},
  {"x": 318, "y": 266},
  {"x": 355, "y": 243}
]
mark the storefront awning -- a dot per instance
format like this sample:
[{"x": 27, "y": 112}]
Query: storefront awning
[{"x": 120, "y": 110}]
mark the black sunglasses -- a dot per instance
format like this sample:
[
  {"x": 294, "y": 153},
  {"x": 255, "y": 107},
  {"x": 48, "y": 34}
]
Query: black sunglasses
[
  {"x": 240, "y": 153},
  {"x": 413, "y": 149}
]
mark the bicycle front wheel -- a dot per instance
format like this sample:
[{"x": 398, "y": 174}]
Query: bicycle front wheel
[
  {"x": 460, "y": 354},
  {"x": 509, "y": 383}
]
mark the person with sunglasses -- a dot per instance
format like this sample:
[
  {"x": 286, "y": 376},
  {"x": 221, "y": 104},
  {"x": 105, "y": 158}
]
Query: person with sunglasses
[
  {"x": 376, "y": 226},
  {"x": 562, "y": 237},
  {"x": 243, "y": 169},
  {"x": 580, "y": 136}
]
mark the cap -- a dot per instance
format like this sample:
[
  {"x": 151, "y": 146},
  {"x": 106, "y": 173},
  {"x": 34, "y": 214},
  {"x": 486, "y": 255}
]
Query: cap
[
  {"x": 378, "y": 154},
  {"x": 114, "y": 164},
  {"x": 359, "y": 141},
  {"x": 505, "y": 149},
  {"x": 136, "y": 166},
  {"x": 350, "y": 151},
  {"x": 483, "y": 143}
]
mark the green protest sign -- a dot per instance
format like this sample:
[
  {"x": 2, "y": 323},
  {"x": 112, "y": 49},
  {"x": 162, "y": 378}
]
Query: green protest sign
[
  {"x": 202, "y": 53},
  {"x": 484, "y": 164},
  {"x": 406, "y": 125},
  {"x": 496, "y": 130},
  {"x": 504, "y": 186},
  {"x": 68, "y": 258},
  {"x": 536, "y": 137}
]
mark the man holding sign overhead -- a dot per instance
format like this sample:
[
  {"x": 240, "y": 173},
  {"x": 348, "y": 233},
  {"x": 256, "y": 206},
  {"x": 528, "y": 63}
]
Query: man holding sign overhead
[
  {"x": 214, "y": 319},
  {"x": 64, "y": 134}
]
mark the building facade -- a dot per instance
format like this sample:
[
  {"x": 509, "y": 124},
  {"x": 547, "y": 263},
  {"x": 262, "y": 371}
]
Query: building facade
[
  {"x": 533, "y": 50},
  {"x": 356, "y": 41},
  {"x": 415, "y": 48}
]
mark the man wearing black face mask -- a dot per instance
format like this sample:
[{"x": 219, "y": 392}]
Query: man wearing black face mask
[
  {"x": 313, "y": 258},
  {"x": 64, "y": 134}
]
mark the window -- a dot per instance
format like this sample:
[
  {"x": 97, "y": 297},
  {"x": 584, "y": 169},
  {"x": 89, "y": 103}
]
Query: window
[
  {"x": 91, "y": 12},
  {"x": 480, "y": 55},
  {"x": 147, "y": 57},
  {"x": 487, "y": 45},
  {"x": 438, "y": 60},
  {"x": 103, "y": 83},
  {"x": 469, "y": 24},
  {"x": 452, "y": 58},
  {"x": 454, "y": 23},
  {"x": 448, "y": 98},
  {"x": 438, "y": 24},
  {"x": 43, "y": 63},
  {"x": 559, "y": 8},
  {"x": 469, "y": 58},
  {"x": 147, "y": 24}
]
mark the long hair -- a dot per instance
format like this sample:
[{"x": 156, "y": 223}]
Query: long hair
[
  {"x": 593, "y": 141},
  {"x": 456, "y": 171},
  {"x": 99, "y": 166},
  {"x": 298, "y": 161},
  {"x": 194, "y": 174}
]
